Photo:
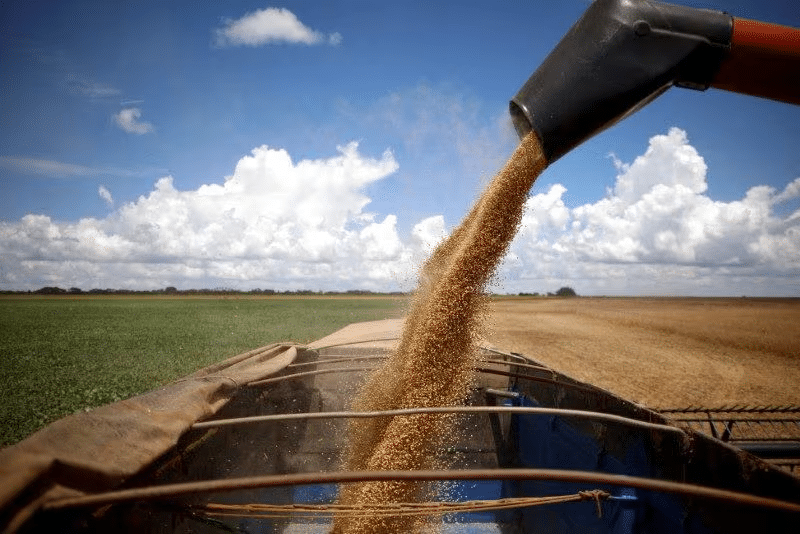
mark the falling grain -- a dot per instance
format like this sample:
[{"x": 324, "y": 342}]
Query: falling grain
[{"x": 434, "y": 361}]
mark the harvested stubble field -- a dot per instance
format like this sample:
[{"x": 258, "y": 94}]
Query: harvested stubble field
[{"x": 662, "y": 352}]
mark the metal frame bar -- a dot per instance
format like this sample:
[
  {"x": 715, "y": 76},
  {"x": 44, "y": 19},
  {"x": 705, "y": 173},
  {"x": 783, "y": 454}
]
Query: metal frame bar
[
  {"x": 303, "y": 374},
  {"x": 771, "y": 449},
  {"x": 742, "y": 428},
  {"x": 520, "y": 410},
  {"x": 342, "y": 359},
  {"x": 511, "y": 355},
  {"x": 359, "y": 342},
  {"x": 790, "y": 408},
  {"x": 582, "y": 477},
  {"x": 738, "y": 420},
  {"x": 521, "y": 365},
  {"x": 337, "y": 359},
  {"x": 548, "y": 380}
]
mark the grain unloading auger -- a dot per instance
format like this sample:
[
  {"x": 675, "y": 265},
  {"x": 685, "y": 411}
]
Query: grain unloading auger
[{"x": 624, "y": 53}]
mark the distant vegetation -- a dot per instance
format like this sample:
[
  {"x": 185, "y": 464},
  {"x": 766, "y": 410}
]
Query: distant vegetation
[
  {"x": 566, "y": 292},
  {"x": 224, "y": 291},
  {"x": 563, "y": 292},
  {"x": 52, "y": 290}
]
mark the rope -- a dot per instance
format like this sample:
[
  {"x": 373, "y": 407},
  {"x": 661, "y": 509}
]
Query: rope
[
  {"x": 393, "y": 509},
  {"x": 595, "y": 495}
]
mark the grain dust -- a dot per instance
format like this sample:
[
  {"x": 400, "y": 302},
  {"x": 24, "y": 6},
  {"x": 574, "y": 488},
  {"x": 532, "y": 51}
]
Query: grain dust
[{"x": 434, "y": 361}]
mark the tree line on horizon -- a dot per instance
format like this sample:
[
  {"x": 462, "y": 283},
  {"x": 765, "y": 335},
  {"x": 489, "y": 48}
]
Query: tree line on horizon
[
  {"x": 171, "y": 290},
  {"x": 562, "y": 292}
]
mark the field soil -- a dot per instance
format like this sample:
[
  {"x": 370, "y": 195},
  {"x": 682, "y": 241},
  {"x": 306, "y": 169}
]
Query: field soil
[{"x": 662, "y": 352}]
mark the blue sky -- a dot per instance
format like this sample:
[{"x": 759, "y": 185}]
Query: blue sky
[{"x": 329, "y": 145}]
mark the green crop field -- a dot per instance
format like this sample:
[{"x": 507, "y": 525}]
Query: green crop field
[{"x": 62, "y": 354}]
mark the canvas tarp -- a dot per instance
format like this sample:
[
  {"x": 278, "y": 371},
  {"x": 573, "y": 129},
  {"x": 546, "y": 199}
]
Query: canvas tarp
[
  {"x": 99, "y": 449},
  {"x": 383, "y": 334}
]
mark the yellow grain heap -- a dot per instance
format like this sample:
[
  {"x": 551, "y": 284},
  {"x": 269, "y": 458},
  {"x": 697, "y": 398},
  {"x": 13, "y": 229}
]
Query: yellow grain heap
[{"x": 434, "y": 362}]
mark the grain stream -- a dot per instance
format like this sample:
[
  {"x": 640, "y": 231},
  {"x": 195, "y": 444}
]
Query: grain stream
[{"x": 433, "y": 364}]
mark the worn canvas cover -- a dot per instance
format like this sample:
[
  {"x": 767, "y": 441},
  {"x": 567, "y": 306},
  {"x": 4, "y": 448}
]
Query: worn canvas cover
[
  {"x": 99, "y": 449},
  {"x": 382, "y": 334}
]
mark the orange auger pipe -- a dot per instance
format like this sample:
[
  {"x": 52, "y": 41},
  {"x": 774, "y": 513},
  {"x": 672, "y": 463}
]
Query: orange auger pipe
[{"x": 764, "y": 60}]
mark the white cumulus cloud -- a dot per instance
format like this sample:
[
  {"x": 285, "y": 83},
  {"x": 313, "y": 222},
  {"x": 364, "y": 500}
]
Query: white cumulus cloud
[
  {"x": 280, "y": 223},
  {"x": 792, "y": 191},
  {"x": 268, "y": 26},
  {"x": 658, "y": 229},
  {"x": 128, "y": 120},
  {"x": 273, "y": 222},
  {"x": 429, "y": 232}
]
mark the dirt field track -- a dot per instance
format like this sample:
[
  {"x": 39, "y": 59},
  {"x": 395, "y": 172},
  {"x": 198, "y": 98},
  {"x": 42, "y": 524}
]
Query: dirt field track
[{"x": 662, "y": 352}]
